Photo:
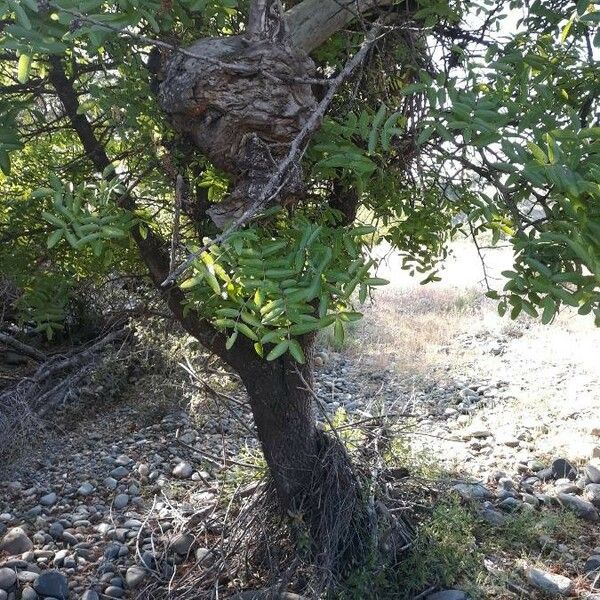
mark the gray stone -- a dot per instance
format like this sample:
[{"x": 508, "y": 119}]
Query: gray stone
[
  {"x": 49, "y": 499},
  {"x": 119, "y": 472},
  {"x": 183, "y": 470},
  {"x": 545, "y": 474},
  {"x": 473, "y": 491},
  {"x": 56, "y": 530},
  {"x": 563, "y": 468},
  {"x": 8, "y": 578},
  {"x": 15, "y": 542},
  {"x": 448, "y": 595},
  {"x": 85, "y": 489},
  {"x": 510, "y": 504},
  {"x": 593, "y": 473},
  {"x": 552, "y": 584},
  {"x": 205, "y": 556},
  {"x": 27, "y": 576},
  {"x": 135, "y": 576},
  {"x": 592, "y": 494},
  {"x": 182, "y": 543},
  {"x": 110, "y": 483},
  {"x": 582, "y": 508},
  {"x": 493, "y": 517},
  {"x": 123, "y": 460},
  {"x": 29, "y": 593},
  {"x": 3, "y": 595},
  {"x": 52, "y": 583},
  {"x": 90, "y": 595},
  {"x": 121, "y": 501},
  {"x": 112, "y": 591},
  {"x": 592, "y": 569}
]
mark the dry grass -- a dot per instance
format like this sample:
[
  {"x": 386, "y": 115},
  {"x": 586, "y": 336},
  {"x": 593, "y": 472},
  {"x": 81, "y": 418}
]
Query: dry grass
[{"x": 409, "y": 329}]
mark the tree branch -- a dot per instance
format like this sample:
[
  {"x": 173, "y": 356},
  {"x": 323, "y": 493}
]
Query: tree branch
[
  {"x": 151, "y": 247},
  {"x": 297, "y": 147}
]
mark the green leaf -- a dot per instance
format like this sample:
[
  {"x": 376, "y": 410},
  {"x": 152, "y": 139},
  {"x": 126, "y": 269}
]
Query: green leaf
[
  {"x": 279, "y": 349},
  {"x": 231, "y": 340},
  {"x": 54, "y": 238},
  {"x": 23, "y": 68},
  {"x": 296, "y": 351}
]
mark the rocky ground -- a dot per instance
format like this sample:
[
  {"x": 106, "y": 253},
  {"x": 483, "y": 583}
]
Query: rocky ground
[{"x": 506, "y": 416}]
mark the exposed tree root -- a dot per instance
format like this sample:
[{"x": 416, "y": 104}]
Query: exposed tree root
[{"x": 343, "y": 528}]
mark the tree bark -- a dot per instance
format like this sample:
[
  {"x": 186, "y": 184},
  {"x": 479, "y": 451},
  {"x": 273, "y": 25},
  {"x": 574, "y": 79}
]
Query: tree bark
[{"x": 283, "y": 412}]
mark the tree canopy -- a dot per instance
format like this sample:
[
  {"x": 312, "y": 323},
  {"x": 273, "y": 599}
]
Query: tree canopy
[{"x": 461, "y": 117}]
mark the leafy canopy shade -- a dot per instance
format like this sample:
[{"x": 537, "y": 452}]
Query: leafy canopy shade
[{"x": 454, "y": 122}]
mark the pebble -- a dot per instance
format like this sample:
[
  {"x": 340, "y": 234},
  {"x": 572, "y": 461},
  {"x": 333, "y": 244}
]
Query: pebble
[
  {"x": 182, "y": 543},
  {"x": 29, "y": 593},
  {"x": 592, "y": 494},
  {"x": 15, "y": 542},
  {"x": 473, "y": 491},
  {"x": 90, "y": 595},
  {"x": 183, "y": 470},
  {"x": 8, "y": 578},
  {"x": 593, "y": 473},
  {"x": 120, "y": 501},
  {"x": 562, "y": 468},
  {"x": 448, "y": 595},
  {"x": 135, "y": 576},
  {"x": 582, "y": 508},
  {"x": 119, "y": 472},
  {"x": 85, "y": 489},
  {"x": 52, "y": 583},
  {"x": 550, "y": 583},
  {"x": 49, "y": 499},
  {"x": 114, "y": 591}
]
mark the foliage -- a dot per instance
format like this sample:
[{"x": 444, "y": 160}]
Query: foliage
[
  {"x": 457, "y": 124},
  {"x": 283, "y": 281}
]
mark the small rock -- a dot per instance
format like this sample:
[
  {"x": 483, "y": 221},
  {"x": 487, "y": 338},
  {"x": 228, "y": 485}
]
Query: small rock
[
  {"x": 448, "y": 595},
  {"x": 15, "y": 542},
  {"x": 135, "y": 576},
  {"x": 593, "y": 473},
  {"x": 49, "y": 499},
  {"x": 112, "y": 591},
  {"x": 144, "y": 470},
  {"x": 110, "y": 483},
  {"x": 4, "y": 595},
  {"x": 550, "y": 583},
  {"x": 582, "y": 508},
  {"x": 90, "y": 595},
  {"x": 473, "y": 491},
  {"x": 545, "y": 474},
  {"x": 119, "y": 472},
  {"x": 85, "y": 489},
  {"x": 52, "y": 583},
  {"x": 592, "y": 494},
  {"x": 183, "y": 470},
  {"x": 29, "y": 593},
  {"x": 493, "y": 517},
  {"x": 510, "y": 504},
  {"x": 205, "y": 556},
  {"x": 8, "y": 578},
  {"x": 592, "y": 568},
  {"x": 123, "y": 460},
  {"x": 120, "y": 501},
  {"x": 562, "y": 468},
  {"x": 182, "y": 543}
]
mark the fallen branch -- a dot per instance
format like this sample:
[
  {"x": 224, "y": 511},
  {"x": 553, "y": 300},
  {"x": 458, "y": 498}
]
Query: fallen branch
[{"x": 22, "y": 348}]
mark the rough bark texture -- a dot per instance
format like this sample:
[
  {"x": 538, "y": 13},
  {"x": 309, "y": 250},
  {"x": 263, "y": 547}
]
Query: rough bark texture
[
  {"x": 239, "y": 103},
  {"x": 284, "y": 418}
]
